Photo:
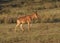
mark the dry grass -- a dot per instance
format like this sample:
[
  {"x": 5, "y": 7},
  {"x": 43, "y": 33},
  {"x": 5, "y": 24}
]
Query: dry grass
[
  {"x": 40, "y": 33},
  {"x": 48, "y": 15}
]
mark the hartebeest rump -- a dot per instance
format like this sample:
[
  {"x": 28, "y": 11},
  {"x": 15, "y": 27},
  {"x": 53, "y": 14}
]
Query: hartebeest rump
[{"x": 26, "y": 19}]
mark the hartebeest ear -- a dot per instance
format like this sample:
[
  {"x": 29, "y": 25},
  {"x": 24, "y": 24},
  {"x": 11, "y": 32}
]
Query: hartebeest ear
[{"x": 35, "y": 11}]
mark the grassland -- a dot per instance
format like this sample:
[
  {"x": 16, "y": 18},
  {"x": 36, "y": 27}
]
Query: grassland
[
  {"x": 44, "y": 30},
  {"x": 49, "y": 10},
  {"x": 47, "y": 15},
  {"x": 40, "y": 33}
]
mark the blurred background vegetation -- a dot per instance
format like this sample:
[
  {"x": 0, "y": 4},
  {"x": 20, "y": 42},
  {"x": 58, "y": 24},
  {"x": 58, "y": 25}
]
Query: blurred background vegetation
[{"x": 48, "y": 10}]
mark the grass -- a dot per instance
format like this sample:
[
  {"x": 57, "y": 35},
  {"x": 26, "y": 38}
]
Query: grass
[
  {"x": 40, "y": 33},
  {"x": 49, "y": 15}
]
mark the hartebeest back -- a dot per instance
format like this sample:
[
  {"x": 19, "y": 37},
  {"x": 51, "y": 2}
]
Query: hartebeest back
[{"x": 26, "y": 19}]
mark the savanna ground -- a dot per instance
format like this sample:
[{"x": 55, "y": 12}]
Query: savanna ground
[{"x": 39, "y": 33}]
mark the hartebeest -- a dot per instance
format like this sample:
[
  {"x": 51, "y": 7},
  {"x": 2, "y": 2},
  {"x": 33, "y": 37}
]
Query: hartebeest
[{"x": 26, "y": 19}]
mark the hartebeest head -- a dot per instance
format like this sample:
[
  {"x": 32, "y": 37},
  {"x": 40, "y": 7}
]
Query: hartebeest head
[{"x": 34, "y": 15}]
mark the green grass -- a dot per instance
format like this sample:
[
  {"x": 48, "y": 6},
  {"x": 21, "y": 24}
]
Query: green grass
[{"x": 40, "y": 33}]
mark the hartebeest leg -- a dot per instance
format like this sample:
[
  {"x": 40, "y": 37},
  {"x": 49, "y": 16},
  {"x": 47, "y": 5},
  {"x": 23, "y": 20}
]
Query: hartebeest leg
[
  {"x": 18, "y": 23},
  {"x": 21, "y": 25},
  {"x": 16, "y": 26},
  {"x": 28, "y": 26}
]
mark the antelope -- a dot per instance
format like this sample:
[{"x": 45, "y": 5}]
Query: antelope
[{"x": 26, "y": 19}]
